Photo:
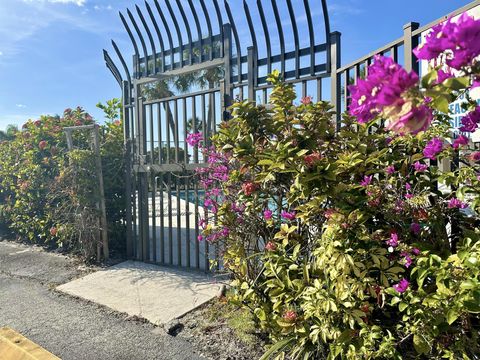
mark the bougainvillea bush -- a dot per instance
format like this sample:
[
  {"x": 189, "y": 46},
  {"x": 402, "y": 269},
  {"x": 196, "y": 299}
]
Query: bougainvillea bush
[
  {"x": 361, "y": 243},
  {"x": 40, "y": 180}
]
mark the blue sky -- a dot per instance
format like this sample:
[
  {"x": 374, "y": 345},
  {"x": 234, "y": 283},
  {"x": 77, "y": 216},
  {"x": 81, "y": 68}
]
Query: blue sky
[{"x": 51, "y": 50}]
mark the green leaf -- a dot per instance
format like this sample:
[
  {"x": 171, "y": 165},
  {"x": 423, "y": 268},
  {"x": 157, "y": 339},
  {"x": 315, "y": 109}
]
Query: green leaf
[
  {"x": 452, "y": 315},
  {"x": 402, "y": 306},
  {"x": 457, "y": 84},
  {"x": 279, "y": 346},
  {"x": 421, "y": 344}
]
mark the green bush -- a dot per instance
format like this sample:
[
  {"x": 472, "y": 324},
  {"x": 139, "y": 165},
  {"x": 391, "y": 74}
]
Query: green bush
[
  {"x": 40, "y": 180},
  {"x": 349, "y": 244}
]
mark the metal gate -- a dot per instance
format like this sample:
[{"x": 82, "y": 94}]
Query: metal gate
[{"x": 190, "y": 62}]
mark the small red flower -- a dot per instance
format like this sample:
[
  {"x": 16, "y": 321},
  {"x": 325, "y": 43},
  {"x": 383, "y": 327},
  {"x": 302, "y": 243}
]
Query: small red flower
[
  {"x": 42, "y": 145},
  {"x": 249, "y": 188},
  {"x": 311, "y": 159},
  {"x": 290, "y": 316},
  {"x": 306, "y": 100},
  {"x": 271, "y": 246},
  {"x": 53, "y": 231}
]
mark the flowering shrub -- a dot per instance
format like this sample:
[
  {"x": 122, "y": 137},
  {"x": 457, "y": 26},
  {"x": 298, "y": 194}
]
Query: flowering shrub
[
  {"x": 362, "y": 243},
  {"x": 34, "y": 191}
]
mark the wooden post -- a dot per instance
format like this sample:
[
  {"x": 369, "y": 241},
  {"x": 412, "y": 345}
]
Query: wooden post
[{"x": 103, "y": 210}]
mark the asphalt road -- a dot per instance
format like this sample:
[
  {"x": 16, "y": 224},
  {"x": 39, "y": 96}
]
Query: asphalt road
[{"x": 71, "y": 328}]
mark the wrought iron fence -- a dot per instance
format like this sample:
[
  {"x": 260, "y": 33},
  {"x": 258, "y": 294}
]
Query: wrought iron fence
[
  {"x": 185, "y": 74},
  {"x": 184, "y": 81}
]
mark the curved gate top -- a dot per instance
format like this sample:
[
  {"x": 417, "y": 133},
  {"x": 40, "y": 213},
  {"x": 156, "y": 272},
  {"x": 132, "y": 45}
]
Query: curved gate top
[{"x": 191, "y": 59}]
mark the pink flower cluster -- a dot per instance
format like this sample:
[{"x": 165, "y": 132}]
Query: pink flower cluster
[
  {"x": 456, "y": 40},
  {"x": 433, "y": 148},
  {"x": 471, "y": 120},
  {"x": 385, "y": 93},
  {"x": 194, "y": 139}
]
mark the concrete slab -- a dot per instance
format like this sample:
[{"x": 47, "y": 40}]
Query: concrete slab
[{"x": 155, "y": 293}]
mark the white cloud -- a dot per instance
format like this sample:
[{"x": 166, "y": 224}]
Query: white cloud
[
  {"x": 1, "y": 53},
  {"x": 21, "y": 106}
]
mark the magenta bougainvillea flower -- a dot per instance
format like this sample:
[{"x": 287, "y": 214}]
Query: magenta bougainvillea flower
[
  {"x": 475, "y": 156},
  {"x": 456, "y": 40},
  {"x": 415, "y": 228},
  {"x": 471, "y": 120},
  {"x": 288, "y": 215},
  {"x": 409, "y": 118},
  {"x": 415, "y": 251},
  {"x": 267, "y": 214},
  {"x": 419, "y": 167},
  {"x": 390, "y": 170},
  {"x": 385, "y": 92},
  {"x": 407, "y": 260},
  {"x": 461, "y": 140},
  {"x": 393, "y": 241},
  {"x": 402, "y": 286},
  {"x": 432, "y": 149},
  {"x": 444, "y": 74},
  {"x": 366, "y": 180},
  {"x": 194, "y": 139},
  {"x": 455, "y": 203}
]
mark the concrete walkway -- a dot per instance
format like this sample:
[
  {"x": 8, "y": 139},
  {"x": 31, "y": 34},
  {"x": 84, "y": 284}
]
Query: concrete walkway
[
  {"x": 71, "y": 328},
  {"x": 146, "y": 291}
]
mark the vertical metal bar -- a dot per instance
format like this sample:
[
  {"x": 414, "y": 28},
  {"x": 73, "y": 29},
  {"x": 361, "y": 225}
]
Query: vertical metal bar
[
  {"x": 265, "y": 96},
  {"x": 162, "y": 221},
  {"x": 209, "y": 28},
  {"x": 185, "y": 131},
  {"x": 296, "y": 39},
  {"x": 237, "y": 41},
  {"x": 304, "y": 89},
  {"x": 176, "y": 137},
  {"x": 132, "y": 39},
  {"x": 311, "y": 35},
  {"x": 227, "y": 84},
  {"x": 394, "y": 53},
  {"x": 159, "y": 124},
  {"x": 168, "y": 114},
  {"x": 195, "y": 129},
  {"x": 128, "y": 169},
  {"x": 254, "y": 40},
  {"x": 169, "y": 34},
  {"x": 179, "y": 223},
  {"x": 177, "y": 29},
  {"x": 197, "y": 230},
  {"x": 251, "y": 73},
  {"x": 170, "y": 219},
  {"x": 152, "y": 138},
  {"x": 280, "y": 36},
  {"x": 267, "y": 36},
  {"x": 159, "y": 35},
  {"x": 410, "y": 42},
  {"x": 336, "y": 87},
  {"x": 187, "y": 220},
  {"x": 199, "y": 31},
  {"x": 143, "y": 191},
  {"x": 189, "y": 33},
  {"x": 319, "y": 89},
  {"x": 150, "y": 38},
  {"x": 154, "y": 217},
  {"x": 346, "y": 78},
  {"x": 220, "y": 25},
  {"x": 142, "y": 41}
]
